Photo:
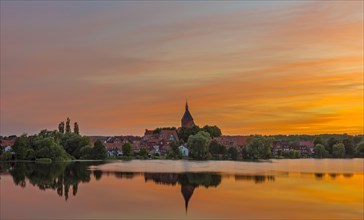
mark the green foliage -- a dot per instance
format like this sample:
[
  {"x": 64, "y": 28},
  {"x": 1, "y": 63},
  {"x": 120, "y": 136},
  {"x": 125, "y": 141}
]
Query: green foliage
[
  {"x": 98, "y": 151},
  {"x": 76, "y": 129},
  {"x": 319, "y": 151},
  {"x": 292, "y": 154},
  {"x": 47, "y": 147},
  {"x": 338, "y": 150},
  {"x": 233, "y": 153},
  {"x": 127, "y": 150},
  {"x": 330, "y": 144},
  {"x": 174, "y": 152},
  {"x": 6, "y": 156},
  {"x": 86, "y": 153},
  {"x": 294, "y": 142},
  {"x": 184, "y": 133},
  {"x": 61, "y": 127},
  {"x": 158, "y": 130},
  {"x": 349, "y": 146},
  {"x": 143, "y": 153},
  {"x": 319, "y": 140},
  {"x": 68, "y": 126},
  {"x": 21, "y": 146},
  {"x": 297, "y": 154},
  {"x": 198, "y": 145},
  {"x": 258, "y": 147},
  {"x": 214, "y": 131},
  {"x": 216, "y": 149},
  {"x": 359, "y": 150},
  {"x": 73, "y": 144}
]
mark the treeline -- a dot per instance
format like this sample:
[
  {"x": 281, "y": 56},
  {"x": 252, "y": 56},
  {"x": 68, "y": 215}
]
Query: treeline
[
  {"x": 56, "y": 145},
  {"x": 336, "y": 148}
]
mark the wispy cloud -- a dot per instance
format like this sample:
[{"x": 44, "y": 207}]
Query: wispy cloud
[{"x": 121, "y": 67}]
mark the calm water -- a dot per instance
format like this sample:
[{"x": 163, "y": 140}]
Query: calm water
[{"x": 280, "y": 189}]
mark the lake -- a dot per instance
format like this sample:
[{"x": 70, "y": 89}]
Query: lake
[{"x": 162, "y": 189}]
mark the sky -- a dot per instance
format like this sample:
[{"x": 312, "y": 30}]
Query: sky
[{"x": 120, "y": 67}]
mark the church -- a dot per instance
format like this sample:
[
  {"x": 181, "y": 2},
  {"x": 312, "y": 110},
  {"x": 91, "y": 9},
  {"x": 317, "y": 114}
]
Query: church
[{"x": 187, "y": 120}]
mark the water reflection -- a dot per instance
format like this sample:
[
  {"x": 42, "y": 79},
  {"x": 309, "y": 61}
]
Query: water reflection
[
  {"x": 66, "y": 177},
  {"x": 320, "y": 176},
  {"x": 60, "y": 177},
  {"x": 255, "y": 178}
]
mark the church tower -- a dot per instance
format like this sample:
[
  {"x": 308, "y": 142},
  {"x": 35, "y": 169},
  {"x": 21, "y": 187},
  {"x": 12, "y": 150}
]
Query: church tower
[{"x": 187, "y": 120}]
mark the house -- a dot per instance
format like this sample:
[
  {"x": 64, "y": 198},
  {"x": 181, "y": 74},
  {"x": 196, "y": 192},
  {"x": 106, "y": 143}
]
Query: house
[
  {"x": 305, "y": 147},
  {"x": 7, "y": 143},
  {"x": 232, "y": 141},
  {"x": 184, "y": 150},
  {"x": 162, "y": 140}
]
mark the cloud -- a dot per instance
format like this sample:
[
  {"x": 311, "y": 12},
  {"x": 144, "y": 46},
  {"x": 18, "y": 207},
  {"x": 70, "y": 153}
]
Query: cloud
[{"x": 280, "y": 68}]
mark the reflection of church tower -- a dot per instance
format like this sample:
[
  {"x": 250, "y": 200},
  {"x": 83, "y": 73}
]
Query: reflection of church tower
[
  {"x": 187, "y": 191},
  {"x": 187, "y": 120}
]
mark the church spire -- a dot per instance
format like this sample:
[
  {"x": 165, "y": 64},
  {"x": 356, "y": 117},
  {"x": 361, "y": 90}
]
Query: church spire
[{"x": 187, "y": 120}]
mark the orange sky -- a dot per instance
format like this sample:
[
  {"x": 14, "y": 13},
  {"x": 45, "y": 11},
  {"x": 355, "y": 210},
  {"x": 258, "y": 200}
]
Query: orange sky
[{"x": 268, "y": 67}]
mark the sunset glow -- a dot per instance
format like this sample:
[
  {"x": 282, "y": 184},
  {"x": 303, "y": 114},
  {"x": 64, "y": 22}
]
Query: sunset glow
[{"x": 115, "y": 67}]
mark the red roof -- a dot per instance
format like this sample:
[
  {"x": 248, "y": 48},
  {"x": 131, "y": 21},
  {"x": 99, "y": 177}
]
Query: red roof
[
  {"x": 166, "y": 135},
  {"x": 7, "y": 142},
  {"x": 232, "y": 140},
  {"x": 308, "y": 144}
]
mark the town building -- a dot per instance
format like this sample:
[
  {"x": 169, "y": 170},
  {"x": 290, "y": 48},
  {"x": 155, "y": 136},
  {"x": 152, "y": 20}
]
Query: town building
[{"x": 159, "y": 142}]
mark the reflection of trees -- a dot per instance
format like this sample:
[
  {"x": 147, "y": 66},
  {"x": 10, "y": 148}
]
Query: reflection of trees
[
  {"x": 255, "y": 178},
  {"x": 320, "y": 176},
  {"x": 60, "y": 177}
]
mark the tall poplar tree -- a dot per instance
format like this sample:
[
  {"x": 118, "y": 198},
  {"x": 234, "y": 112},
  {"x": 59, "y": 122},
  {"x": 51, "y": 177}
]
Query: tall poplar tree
[
  {"x": 76, "y": 129},
  {"x": 68, "y": 126}
]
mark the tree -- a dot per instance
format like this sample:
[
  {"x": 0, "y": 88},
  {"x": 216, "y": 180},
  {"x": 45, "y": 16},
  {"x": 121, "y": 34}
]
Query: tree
[
  {"x": 73, "y": 144},
  {"x": 319, "y": 151},
  {"x": 68, "y": 126},
  {"x": 86, "y": 153},
  {"x": 21, "y": 147},
  {"x": 76, "y": 129},
  {"x": 184, "y": 133},
  {"x": 359, "y": 150},
  {"x": 233, "y": 153},
  {"x": 198, "y": 145},
  {"x": 158, "y": 130},
  {"x": 126, "y": 148},
  {"x": 349, "y": 146},
  {"x": 47, "y": 147},
  {"x": 6, "y": 156},
  {"x": 61, "y": 127},
  {"x": 338, "y": 150},
  {"x": 297, "y": 154},
  {"x": 98, "y": 151},
  {"x": 143, "y": 152},
  {"x": 330, "y": 144},
  {"x": 258, "y": 147},
  {"x": 174, "y": 152},
  {"x": 214, "y": 131},
  {"x": 217, "y": 149},
  {"x": 318, "y": 140}
]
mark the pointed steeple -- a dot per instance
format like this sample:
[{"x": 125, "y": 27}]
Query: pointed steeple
[
  {"x": 187, "y": 120},
  {"x": 187, "y": 191}
]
